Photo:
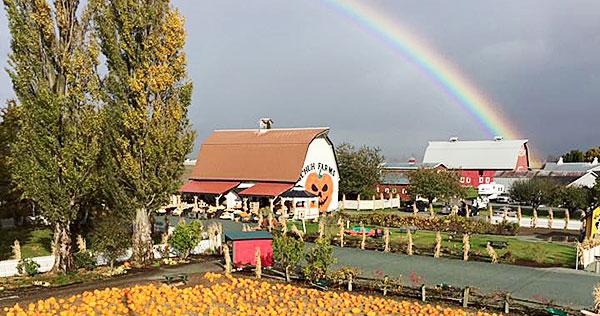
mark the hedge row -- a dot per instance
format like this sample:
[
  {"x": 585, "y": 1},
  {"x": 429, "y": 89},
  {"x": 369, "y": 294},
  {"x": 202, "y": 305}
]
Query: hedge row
[{"x": 455, "y": 224}]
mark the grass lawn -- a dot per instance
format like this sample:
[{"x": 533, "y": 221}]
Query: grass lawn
[
  {"x": 34, "y": 242},
  {"x": 549, "y": 253}
]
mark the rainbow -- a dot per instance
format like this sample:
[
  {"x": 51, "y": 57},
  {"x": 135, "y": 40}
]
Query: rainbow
[{"x": 439, "y": 70}]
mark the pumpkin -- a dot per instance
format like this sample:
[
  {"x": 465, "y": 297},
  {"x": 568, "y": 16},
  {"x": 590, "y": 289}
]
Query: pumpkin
[{"x": 320, "y": 185}]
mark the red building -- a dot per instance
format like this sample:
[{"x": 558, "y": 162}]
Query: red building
[
  {"x": 394, "y": 178},
  {"x": 244, "y": 245},
  {"x": 478, "y": 161}
]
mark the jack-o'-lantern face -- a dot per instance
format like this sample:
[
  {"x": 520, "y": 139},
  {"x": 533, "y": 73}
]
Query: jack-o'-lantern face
[{"x": 322, "y": 186}]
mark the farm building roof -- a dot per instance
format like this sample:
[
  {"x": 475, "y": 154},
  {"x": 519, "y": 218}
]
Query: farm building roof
[
  {"x": 483, "y": 154},
  {"x": 248, "y": 235},
  {"x": 411, "y": 166},
  {"x": 271, "y": 155},
  {"x": 570, "y": 166},
  {"x": 397, "y": 178}
]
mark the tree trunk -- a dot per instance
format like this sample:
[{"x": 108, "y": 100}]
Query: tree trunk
[
  {"x": 142, "y": 238},
  {"x": 62, "y": 250}
]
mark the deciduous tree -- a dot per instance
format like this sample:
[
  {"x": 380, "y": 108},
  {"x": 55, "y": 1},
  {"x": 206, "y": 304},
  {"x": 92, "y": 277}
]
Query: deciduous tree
[
  {"x": 148, "y": 94},
  {"x": 534, "y": 192},
  {"x": 52, "y": 65},
  {"x": 360, "y": 169},
  {"x": 434, "y": 184}
]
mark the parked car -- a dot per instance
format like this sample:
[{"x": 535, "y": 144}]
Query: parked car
[
  {"x": 505, "y": 199},
  {"x": 421, "y": 206}
]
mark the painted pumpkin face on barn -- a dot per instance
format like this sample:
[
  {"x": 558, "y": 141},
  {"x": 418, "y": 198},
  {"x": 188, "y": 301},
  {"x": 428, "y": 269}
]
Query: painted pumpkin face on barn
[{"x": 322, "y": 186}]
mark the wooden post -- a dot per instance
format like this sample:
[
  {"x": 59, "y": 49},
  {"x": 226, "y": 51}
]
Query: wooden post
[
  {"x": 227, "y": 259},
  {"x": 350, "y": 282},
  {"x": 347, "y": 224},
  {"x": 423, "y": 298},
  {"x": 466, "y": 247},
  {"x": 217, "y": 200},
  {"x": 409, "y": 249},
  {"x": 341, "y": 235},
  {"x": 438, "y": 245},
  {"x": 550, "y": 218},
  {"x": 468, "y": 211},
  {"x": 321, "y": 227},
  {"x": 364, "y": 236},
  {"x": 519, "y": 215},
  {"x": 343, "y": 201},
  {"x": 373, "y": 198},
  {"x": 465, "y": 300},
  {"x": 304, "y": 226},
  {"x": 358, "y": 202},
  {"x": 415, "y": 210},
  {"x": 386, "y": 279},
  {"x": 386, "y": 239},
  {"x": 567, "y": 215},
  {"x": 534, "y": 218},
  {"x": 258, "y": 270},
  {"x": 507, "y": 303},
  {"x": 491, "y": 211}
]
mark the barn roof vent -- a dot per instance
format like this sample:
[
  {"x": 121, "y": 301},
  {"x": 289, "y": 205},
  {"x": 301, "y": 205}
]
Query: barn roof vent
[
  {"x": 453, "y": 139},
  {"x": 498, "y": 138},
  {"x": 265, "y": 123}
]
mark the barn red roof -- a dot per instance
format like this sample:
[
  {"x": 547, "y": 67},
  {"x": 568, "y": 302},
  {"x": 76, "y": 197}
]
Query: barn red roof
[
  {"x": 208, "y": 187},
  {"x": 273, "y": 155},
  {"x": 267, "y": 189}
]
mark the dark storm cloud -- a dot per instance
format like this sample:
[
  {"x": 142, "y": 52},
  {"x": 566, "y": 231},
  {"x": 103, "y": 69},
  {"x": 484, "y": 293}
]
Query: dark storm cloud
[{"x": 303, "y": 64}]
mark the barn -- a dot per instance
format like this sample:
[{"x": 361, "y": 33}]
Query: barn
[
  {"x": 394, "y": 177},
  {"x": 478, "y": 161},
  {"x": 295, "y": 167}
]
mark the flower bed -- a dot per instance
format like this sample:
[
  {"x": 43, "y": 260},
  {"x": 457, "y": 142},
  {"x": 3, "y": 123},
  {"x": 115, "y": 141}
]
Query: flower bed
[
  {"x": 228, "y": 296},
  {"x": 448, "y": 224}
]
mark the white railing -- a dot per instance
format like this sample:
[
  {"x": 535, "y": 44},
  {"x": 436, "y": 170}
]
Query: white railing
[
  {"x": 9, "y": 267},
  {"x": 588, "y": 257},
  {"x": 371, "y": 204}
]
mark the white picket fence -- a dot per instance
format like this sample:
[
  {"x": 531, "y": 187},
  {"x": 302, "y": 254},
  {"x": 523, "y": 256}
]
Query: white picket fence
[
  {"x": 588, "y": 257},
  {"x": 557, "y": 223},
  {"x": 9, "y": 267},
  {"x": 372, "y": 204}
]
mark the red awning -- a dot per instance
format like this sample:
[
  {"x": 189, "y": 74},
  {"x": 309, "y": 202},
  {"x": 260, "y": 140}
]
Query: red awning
[
  {"x": 267, "y": 189},
  {"x": 208, "y": 187}
]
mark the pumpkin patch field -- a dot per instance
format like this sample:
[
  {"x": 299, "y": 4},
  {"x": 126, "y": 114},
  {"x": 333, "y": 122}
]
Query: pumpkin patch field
[{"x": 227, "y": 295}]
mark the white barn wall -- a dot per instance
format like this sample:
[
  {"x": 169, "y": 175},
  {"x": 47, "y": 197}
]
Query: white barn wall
[{"x": 320, "y": 156}]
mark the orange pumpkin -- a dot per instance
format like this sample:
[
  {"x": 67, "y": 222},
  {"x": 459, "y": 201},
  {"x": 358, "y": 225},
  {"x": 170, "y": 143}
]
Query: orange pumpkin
[{"x": 322, "y": 186}]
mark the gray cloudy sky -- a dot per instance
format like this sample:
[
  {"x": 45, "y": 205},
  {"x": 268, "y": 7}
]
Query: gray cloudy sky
[{"x": 304, "y": 64}]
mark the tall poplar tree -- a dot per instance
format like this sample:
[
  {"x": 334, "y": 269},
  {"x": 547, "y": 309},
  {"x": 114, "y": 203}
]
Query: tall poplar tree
[
  {"x": 52, "y": 65},
  {"x": 148, "y": 94}
]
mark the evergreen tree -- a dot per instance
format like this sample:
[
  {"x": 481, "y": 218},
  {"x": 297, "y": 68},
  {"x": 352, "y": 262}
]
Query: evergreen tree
[
  {"x": 52, "y": 65},
  {"x": 148, "y": 95}
]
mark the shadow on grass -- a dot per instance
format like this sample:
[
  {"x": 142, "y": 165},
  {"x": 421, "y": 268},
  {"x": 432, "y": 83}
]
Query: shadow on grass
[{"x": 34, "y": 242}]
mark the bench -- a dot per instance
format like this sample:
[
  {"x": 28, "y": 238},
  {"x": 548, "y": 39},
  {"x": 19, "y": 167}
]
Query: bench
[
  {"x": 498, "y": 244},
  {"x": 175, "y": 278}
]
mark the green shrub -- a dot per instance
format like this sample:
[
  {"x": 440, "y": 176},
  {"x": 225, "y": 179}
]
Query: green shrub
[
  {"x": 287, "y": 252},
  {"x": 85, "y": 260},
  {"x": 111, "y": 238},
  {"x": 318, "y": 260},
  {"x": 342, "y": 275},
  {"x": 28, "y": 267},
  {"x": 186, "y": 237}
]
